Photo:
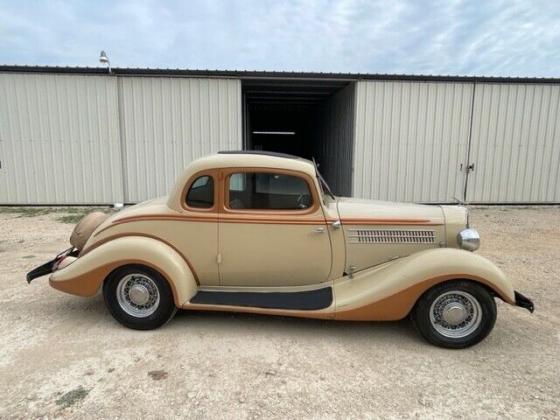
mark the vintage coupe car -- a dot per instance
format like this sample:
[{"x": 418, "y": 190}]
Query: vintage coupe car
[{"x": 262, "y": 233}]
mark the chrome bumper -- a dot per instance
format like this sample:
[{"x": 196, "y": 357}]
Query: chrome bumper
[
  {"x": 50, "y": 266},
  {"x": 524, "y": 302}
]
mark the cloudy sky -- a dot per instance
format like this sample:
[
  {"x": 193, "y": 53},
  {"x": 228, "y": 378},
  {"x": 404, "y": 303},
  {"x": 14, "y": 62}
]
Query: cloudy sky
[{"x": 478, "y": 37}]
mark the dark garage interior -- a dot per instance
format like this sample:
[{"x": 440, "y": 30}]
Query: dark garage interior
[{"x": 311, "y": 119}]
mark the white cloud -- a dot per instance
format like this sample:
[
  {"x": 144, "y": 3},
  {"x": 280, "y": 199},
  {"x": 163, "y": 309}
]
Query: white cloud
[{"x": 513, "y": 38}]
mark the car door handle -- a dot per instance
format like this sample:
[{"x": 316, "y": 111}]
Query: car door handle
[{"x": 319, "y": 230}]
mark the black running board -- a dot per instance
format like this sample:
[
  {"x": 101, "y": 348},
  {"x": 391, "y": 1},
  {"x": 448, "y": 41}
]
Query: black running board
[{"x": 304, "y": 301}]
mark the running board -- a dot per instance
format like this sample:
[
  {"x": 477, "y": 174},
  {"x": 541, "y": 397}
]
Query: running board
[{"x": 304, "y": 301}]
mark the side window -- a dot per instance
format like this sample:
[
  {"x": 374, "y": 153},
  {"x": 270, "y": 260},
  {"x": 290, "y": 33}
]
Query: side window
[
  {"x": 268, "y": 191},
  {"x": 201, "y": 193}
]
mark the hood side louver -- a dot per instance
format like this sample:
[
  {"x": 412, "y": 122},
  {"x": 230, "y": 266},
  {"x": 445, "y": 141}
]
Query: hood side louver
[{"x": 386, "y": 236}]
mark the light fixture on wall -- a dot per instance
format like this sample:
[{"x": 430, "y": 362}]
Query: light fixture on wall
[
  {"x": 103, "y": 59},
  {"x": 276, "y": 133}
]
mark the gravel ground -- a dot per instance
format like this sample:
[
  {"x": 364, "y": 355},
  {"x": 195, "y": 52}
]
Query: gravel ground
[{"x": 64, "y": 356}]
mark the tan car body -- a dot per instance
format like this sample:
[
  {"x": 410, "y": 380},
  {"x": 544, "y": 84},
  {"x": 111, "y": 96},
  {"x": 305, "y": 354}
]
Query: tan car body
[{"x": 378, "y": 260}]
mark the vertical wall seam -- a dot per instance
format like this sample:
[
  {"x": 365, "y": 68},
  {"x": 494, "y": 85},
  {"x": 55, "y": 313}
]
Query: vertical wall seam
[
  {"x": 124, "y": 194},
  {"x": 469, "y": 143}
]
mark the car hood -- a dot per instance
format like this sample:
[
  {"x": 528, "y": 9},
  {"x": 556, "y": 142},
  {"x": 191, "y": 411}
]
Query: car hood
[{"x": 352, "y": 209}]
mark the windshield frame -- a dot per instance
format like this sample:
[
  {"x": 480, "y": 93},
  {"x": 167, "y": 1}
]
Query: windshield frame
[{"x": 325, "y": 189}]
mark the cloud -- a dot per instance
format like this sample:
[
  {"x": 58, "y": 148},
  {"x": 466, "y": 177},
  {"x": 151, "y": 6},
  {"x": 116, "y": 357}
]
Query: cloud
[{"x": 508, "y": 38}]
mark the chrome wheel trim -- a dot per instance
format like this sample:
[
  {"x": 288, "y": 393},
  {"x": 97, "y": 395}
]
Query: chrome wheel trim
[
  {"x": 455, "y": 314},
  {"x": 138, "y": 295}
]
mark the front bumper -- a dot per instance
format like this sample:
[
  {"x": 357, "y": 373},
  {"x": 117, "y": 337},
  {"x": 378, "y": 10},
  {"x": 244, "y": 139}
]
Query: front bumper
[
  {"x": 524, "y": 302},
  {"x": 51, "y": 265}
]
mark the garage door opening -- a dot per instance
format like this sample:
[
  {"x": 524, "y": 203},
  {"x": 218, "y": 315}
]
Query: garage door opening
[{"x": 311, "y": 119}]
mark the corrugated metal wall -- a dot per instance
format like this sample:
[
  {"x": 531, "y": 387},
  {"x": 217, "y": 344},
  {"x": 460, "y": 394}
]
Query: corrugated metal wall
[
  {"x": 59, "y": 139},
  {"x": 68, "y": 139},
  {"x": 515, "y": 144},
  {"x": 333, "y": 143},
  {"x": 168, "y": 122},
  {"x": 63, "y": 137},
  {"x": 410, "y": 140}
]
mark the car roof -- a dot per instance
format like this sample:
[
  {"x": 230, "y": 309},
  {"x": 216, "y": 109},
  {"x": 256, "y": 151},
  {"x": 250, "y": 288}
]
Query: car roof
[
  {"x": 253, "y": 159},
  {"x": 242, "y": 159},
  {"x": 257, "y": 152}
]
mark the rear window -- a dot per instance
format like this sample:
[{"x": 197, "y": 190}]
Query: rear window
[
  {"x": 201, "y": 193},
  {"x": 268, "y": 191}
]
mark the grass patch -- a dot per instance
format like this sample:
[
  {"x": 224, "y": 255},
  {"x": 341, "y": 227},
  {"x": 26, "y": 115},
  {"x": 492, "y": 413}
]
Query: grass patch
[
  {"x": 67, "y": 214},
  {"x": 75, "y": 214},
  {"x": 72, "y": 397},
  {"x": 70, "y": 218},
  {"x": 27, "y": 211}
]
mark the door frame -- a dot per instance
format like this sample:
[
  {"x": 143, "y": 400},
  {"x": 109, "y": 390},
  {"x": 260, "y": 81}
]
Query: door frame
[{"x": 304, "y": 216}]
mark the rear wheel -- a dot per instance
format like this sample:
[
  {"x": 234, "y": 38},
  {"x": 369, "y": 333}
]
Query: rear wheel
[
  {"x": 139, "y": 297},
  {"x": 455, "y": 314}
]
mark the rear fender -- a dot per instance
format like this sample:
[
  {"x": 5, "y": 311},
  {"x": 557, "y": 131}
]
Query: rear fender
[
  {"x": 389, "y": 291},
  {"x": 84, "y": 276}
]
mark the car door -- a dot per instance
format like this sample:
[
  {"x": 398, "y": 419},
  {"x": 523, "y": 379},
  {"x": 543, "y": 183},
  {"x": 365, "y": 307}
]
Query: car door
[{"x": 272, "y": 230}]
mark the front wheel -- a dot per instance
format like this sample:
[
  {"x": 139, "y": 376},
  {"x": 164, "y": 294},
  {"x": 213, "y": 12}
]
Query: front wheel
[
  {"x": 455, "y": 314},
  {"x": 139, "y": 297}
]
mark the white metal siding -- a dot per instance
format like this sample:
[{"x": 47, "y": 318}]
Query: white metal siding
[
  {"x": 515, "y": 144},
  {"x": 168, "y": 122},
  {"x": 334, "y": 141},
  {"x": 59, "y": 139},
  {"x": 410, "y": 139}
]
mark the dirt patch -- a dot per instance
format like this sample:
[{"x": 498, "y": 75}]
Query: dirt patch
[
  {"x": 158, "y": 375},
  {"x": 245, "y": 366}
]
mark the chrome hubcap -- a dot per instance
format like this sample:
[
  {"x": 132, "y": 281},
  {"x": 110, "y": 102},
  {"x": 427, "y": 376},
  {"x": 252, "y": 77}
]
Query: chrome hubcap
[
  {"x": 455, "y": 314},
  {"x": 138, "y": 295}
]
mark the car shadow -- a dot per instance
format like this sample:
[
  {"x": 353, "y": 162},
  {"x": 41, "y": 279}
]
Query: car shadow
[
  {"x": 273, "y": 325},
  {"x": 92, "y": 311}
]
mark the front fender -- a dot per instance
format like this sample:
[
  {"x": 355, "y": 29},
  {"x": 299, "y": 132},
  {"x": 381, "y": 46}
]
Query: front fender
[
  {"x": 85, "y": 276},
  {"x": 389, "y": 291}
]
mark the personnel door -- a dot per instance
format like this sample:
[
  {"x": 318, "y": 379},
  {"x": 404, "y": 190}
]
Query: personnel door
[{"x": 272, "y": 230}]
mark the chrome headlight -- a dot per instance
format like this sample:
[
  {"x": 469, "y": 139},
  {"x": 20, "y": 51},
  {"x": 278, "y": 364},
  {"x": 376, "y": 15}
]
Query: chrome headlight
[{"x": 469, "y": 239}]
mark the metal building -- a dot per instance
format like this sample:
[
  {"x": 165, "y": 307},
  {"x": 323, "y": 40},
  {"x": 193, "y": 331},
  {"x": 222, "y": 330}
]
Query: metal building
[{"x": 84, "y": 136}]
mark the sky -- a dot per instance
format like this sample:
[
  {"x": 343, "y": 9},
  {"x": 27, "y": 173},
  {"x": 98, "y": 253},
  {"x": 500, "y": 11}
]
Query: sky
[{"x": 490, "y": 38}]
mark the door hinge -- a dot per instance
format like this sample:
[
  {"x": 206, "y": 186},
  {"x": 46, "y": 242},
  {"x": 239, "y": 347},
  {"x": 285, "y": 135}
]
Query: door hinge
[{"x": 219, "y": 258}]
